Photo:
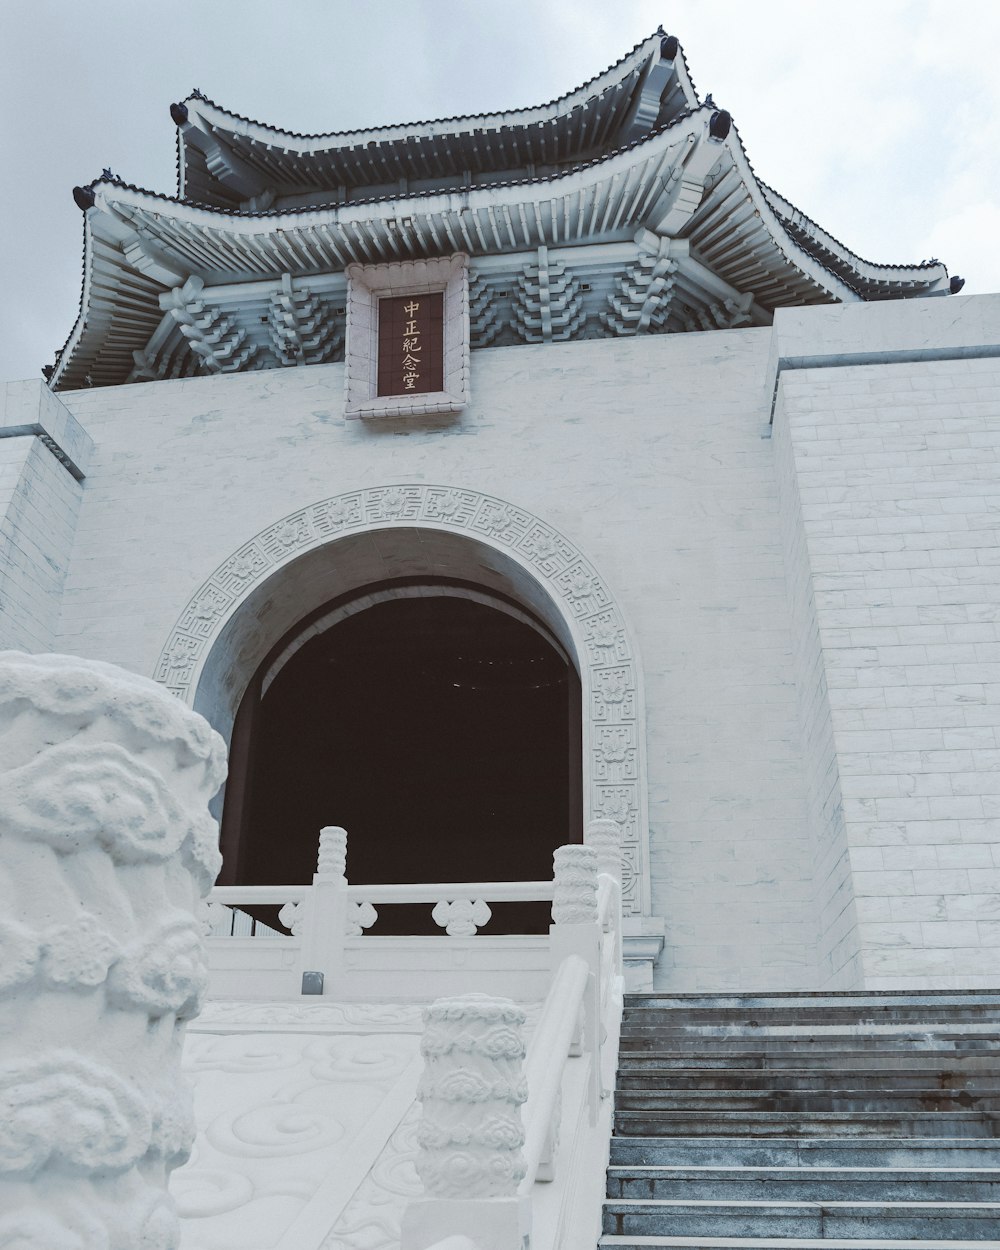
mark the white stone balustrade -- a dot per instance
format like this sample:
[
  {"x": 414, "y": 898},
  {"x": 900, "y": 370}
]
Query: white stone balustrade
[
  {"x": 470, "y": 1157},
  {"x": 106, "y": 848}
]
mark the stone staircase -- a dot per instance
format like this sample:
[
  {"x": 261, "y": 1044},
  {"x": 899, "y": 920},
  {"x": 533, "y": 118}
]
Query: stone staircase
[{"x": 868, "y": 1121}]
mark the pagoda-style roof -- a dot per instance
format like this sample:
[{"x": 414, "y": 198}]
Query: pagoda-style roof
[
  {"x": 625, "y": 207},
  {"x": 229, "y": 161}
]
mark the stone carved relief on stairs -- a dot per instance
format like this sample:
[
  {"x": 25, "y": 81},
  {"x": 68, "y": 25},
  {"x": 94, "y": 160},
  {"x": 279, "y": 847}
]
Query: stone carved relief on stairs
[{"x": 608, "y": 667}]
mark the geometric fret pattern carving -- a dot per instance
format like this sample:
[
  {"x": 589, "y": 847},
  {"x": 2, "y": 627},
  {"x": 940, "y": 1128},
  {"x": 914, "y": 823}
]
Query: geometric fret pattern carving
[{"x": 612, "y": 731}]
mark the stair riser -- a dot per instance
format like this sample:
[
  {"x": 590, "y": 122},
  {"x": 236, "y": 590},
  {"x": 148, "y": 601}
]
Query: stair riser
[
  {"x": 815, "y": 998},
  {"x": 889, "y": 1102},
  {"x": 804, "y": 1189},
  {"x": 686, "y": 1041},
  {"x": 871, "y": 1063},
  {"x": 663, "y": 1080},
  {"x": 774, "y": 1124},
  {"x": 844, "y": 1017},
  {"x": 709, "y": 1152},
  {"x": 815, "y": 1221}
]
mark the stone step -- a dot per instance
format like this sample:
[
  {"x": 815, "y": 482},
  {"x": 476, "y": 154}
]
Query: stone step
[
  {"x": 611, "y": 1242},
  {"x": 816, "y": 1151},
  {"x": 971, "y": 1221},
  {"x": 767, "y": 1024},
  {"x": 828, "y": 1017},
  {"x": 800, "y": 1058},
  {"x": 653, "y": 1077},
  {"x": 728, "y": 1123},
  {"x": 886, "y": 1101},
  {"x": 804, "y": 1184},
  {"x": 815, "y": 998},
  {"x": 682, "y": 1041}
]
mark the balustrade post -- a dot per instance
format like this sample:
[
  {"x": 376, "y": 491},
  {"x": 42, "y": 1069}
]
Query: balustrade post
[
  {"x": 605, "y": 836},
  {"x": 576, "y": 930},
  {"x": 106, "y": 849},
  {"x": 326, "y": 912},
  {"x": 470, "y": 1137}
]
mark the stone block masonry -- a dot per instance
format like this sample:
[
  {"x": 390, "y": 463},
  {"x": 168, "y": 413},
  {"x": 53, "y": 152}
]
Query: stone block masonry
[
  {"x": 896, "y": 470},
  {"x": 42, "y": 451}
]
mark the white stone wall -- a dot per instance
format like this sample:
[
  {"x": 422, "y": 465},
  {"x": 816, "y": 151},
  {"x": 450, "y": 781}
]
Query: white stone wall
[
  {"x": 39, "y": 501},
  {"x": 896, "y": 466},
  {"x": 837, "y": 953},
  {"x": 816, "y": 613},
  {"x": 647, "y": 454}
]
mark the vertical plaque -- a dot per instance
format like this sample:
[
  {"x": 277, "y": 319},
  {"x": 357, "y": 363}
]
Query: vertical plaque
[
  {"x": 410, "y": 344},
  {"x": 407, "y": 337}
]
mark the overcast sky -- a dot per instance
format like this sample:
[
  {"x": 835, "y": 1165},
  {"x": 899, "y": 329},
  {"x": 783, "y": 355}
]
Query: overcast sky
[{"x": 877, "y": 118}]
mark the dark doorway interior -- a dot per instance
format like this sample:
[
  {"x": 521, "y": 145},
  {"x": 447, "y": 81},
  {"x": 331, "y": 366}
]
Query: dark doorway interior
[{"x": 440, "y": 732}]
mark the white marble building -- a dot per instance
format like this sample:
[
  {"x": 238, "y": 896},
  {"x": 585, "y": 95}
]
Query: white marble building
[{"x": 741, "y": 481}]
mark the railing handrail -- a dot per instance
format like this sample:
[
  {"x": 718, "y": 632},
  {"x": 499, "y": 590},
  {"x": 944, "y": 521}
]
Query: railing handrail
[
  {"x": 547, "y": 1054},
  {"x": 232, "y": 894},
  {"x": 435, "y": 891},
  {"x": 395, "y": 892}
]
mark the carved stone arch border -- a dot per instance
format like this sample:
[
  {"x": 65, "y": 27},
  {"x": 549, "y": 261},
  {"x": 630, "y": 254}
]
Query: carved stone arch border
[{"x": 614, "y": 728}]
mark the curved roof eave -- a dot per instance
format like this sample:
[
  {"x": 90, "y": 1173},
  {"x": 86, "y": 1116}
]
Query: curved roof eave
[
  {"x": 295, "y": 141},
  {"x": 869, "y": 269},
  {"x": 65, "y": 354}
]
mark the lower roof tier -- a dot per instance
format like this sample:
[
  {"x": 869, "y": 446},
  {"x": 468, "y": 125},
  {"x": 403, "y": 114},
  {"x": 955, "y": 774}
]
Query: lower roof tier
[{"x": 668, "y": 234}]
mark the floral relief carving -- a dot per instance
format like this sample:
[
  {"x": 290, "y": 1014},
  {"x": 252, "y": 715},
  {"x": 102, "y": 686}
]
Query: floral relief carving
[
  {"x": 79, "y": 953},
  {"x": 557, "y": 564}
]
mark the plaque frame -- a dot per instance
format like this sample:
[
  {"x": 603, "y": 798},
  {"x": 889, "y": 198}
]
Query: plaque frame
[{"x": 366, "y": 284}]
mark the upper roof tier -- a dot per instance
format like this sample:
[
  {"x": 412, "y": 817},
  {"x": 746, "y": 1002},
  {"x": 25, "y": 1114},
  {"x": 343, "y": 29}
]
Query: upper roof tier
[
  {"x": 230, "y": 161},
  {"x": 625, "y": 207}
]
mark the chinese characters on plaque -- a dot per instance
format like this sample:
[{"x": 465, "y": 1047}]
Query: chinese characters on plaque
[{"x": 410, "y": 344}]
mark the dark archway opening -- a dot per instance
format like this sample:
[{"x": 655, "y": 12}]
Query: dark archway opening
[{"x": 440, "y": 731}]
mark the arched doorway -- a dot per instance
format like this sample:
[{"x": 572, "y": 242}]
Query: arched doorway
[
  {"x": 338, "y": 546},
  {"x": 438, "y": 724}
]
